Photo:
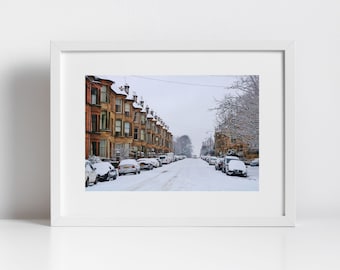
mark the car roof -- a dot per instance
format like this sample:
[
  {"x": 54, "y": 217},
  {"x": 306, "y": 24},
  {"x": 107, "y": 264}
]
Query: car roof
[
  {"x": 236, "y": 160},
  {"x": 127, "y": 160}
]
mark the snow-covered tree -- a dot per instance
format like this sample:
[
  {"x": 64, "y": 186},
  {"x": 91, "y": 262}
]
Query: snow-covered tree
[
  {"x": 237, "y": 114},
  {"x": 207, "y": 147},
  {"x": 183, "y": 146}
]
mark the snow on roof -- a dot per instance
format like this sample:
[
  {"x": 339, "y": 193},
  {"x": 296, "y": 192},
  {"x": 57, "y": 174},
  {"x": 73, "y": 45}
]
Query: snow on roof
[
  {"x": 119, "y": 91},
  {"x": 129, "y": 97},
  {"x": 137, "y": 105},
  {"x": 149, "y": 116}
]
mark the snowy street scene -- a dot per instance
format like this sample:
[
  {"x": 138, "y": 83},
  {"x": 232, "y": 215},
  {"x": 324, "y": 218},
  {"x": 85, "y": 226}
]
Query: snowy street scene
[
  {"x": 172, "y": 133},
  {"x": 184, "y": 175}
]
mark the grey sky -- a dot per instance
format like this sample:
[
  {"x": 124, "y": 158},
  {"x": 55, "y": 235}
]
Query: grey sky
[{"x": 183, "y": 102}]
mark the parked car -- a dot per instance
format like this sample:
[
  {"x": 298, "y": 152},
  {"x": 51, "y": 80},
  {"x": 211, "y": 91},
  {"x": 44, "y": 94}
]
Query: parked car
[
  {"x": 128, "y": 166},
  {"x": 160, "y": 164},
  {"x": 145, "y": 164},
  {"x": 90, "y": 174},
  {"x": 254, "y": 162},
  {"x": 212, "y": 160},
  {"x": 237, "y": 167},
  {"x": 226, "y": 160},
  {"x": 105, "y": 171},
  {"x": 218, "y": 164},
  {"x": 154, "y": 162},
  {"x": 165, "y": 159}
]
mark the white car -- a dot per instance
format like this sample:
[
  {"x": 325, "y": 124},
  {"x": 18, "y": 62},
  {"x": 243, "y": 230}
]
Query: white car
[
  {"x": 128, "y": 166},
  {"x": 105, "y": 171},
  {"x": 237, "y": 167},
  {"x": 90, "y": 174},
  {"x": 165, "y": 159},
  {"x": 212, "y": 160},
  {"x": 145, "y": 164},
  {"x": 154, "y": 162},
  {"x": 226, "y": 160}
]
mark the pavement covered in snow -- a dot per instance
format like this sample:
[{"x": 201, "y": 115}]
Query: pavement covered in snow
[{"x": 184, "y": 175}]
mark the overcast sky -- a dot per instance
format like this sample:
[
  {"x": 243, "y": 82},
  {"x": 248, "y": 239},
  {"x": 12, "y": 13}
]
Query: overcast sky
[{"x": 183, "y": 102}]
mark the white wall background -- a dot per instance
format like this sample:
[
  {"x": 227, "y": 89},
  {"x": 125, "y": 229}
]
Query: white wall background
[{"x": 28, "y": 26}]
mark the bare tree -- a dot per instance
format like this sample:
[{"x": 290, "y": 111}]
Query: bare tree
[{"x": 237, "y": 115}]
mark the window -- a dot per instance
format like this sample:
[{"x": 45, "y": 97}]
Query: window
[
  {"x": 142, "y": 119},
  {"x": 94, "y": 123},
  {"x": 142, "y": 135},
  {"x": 94, "y": 96},
  {"x": 136, "y": 117},
  {"x": 102, "y": 148},
  {"x": 104, "y": 120},
  {"x": 103, "y": 94},
  {"x": 148, "y": 138},
  {"x": 135, "y": 133},
  {"x": 127, "y": 109},
  {"x": 93, "y": 149},
  {"x": 127, "y": 129},
  {"x": 119, "y": 105},
  {"x": 118, "y": 128}
]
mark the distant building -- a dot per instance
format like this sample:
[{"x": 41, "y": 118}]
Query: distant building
[
  {"x": 119, "y": 126},
  {"x": 227, "y": 145}
]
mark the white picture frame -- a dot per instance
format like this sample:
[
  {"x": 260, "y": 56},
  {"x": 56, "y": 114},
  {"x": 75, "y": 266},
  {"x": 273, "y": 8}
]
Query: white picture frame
[{"x": 71, "y": 61}]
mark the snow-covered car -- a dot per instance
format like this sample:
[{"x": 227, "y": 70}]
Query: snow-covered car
[
  {"x": 128, "y": 166},
  {"x": 226, "y": 160},
  {"x": 160, "y": 164},
  {"x": 145, "y": 164},
  {"x": 212, "y": 160},
  {"x": 237, "y": 167},
  {"x": 218, "y": 164},
  {"x": 165, "y": 159},
  {"x": 254, "y": 162},
  {"x": 105, "y": 171},
  {"x": 154, "y": 162},
  {"x": 90, "y": 174}
]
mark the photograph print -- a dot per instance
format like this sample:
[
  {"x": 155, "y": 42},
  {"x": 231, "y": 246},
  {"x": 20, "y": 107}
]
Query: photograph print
[{"x": 172, "y": 133}]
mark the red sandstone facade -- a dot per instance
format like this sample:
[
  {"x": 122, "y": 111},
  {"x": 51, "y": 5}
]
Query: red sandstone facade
[{"x": 119, "y": 126}]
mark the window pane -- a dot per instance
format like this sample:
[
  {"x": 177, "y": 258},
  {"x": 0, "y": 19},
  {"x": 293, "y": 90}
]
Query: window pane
[
  {"x": 127, "y": 109},
  {"x": 103, "y": 95},
  {"x": 127, "y": 130},
  {"x": 118, "y": 105},
  {"x": 103, "y": 120},
  {"x": 94, "y": 122},
  {"x": 118, "y": 128},
  {"x": 94, "y": 93},
  {"x": 135, "y": 134},
  {"x": 102, "y": 148}
]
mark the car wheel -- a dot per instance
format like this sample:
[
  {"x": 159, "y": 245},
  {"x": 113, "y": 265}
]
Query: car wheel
[
  {"x": 96, "y": 180},
  {"x": 87, "y": 182}
]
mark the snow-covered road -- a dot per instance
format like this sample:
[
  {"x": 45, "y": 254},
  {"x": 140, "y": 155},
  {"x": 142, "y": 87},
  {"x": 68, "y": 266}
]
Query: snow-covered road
[{"x": 184, "y": 175}]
